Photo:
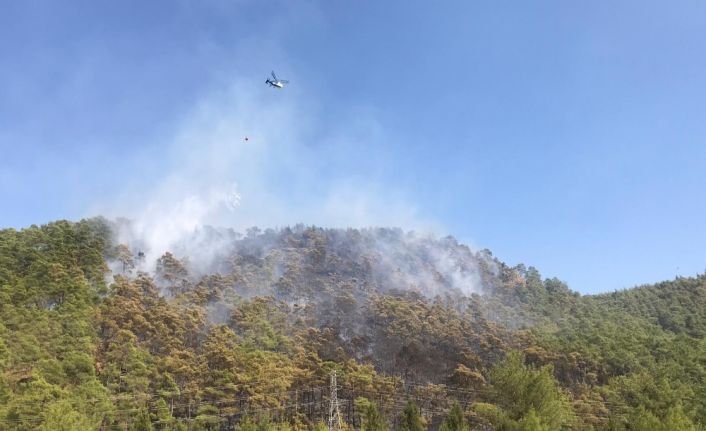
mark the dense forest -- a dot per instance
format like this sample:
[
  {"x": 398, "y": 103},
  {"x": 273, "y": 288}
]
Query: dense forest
[{"x": 230, "y": 331}]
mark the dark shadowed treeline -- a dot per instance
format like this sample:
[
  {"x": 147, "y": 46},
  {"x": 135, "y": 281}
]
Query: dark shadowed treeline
[{"x": 423, "y": 333}]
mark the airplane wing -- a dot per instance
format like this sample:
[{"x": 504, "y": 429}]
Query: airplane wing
[
  {"x": 274, "y": 76},
  {"x": 284, "y": 81}
]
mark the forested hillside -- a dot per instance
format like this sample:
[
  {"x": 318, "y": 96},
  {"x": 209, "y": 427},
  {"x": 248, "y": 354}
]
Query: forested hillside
[{"x": 230, "y": 331}]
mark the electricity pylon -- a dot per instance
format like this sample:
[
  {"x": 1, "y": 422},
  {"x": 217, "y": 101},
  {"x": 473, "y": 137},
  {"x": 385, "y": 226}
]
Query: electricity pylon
[{"x": 335, "y": 423}]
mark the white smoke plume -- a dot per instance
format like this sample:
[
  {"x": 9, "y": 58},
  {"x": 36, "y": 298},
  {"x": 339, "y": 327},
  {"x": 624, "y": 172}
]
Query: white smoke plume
[
  {"x": 429, "y": 265},
  {"x": 210, "y": 174}
]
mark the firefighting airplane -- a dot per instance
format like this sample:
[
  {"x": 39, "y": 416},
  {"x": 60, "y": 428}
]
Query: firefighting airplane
[{"x": 277, "y": 83}]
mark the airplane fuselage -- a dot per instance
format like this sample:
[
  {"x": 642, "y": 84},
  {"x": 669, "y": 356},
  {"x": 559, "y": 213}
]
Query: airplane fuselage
[{"x": 276, "y": 84}]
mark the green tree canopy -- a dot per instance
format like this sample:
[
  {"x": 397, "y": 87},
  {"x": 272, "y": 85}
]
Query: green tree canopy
[{"x": 411, "y": 420}]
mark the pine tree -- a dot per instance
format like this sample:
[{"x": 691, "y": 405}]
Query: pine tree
[
  {"x": 373, "y": 420},
  {"x": 143, "y": 422},
  {"x": 411, "y": 420},
  {"x": 455, "y": 420}
]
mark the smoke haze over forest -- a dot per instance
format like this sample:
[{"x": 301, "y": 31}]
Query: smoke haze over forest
[
  {"x": 569, "y": 138},
  {"x": 457, "y": 216}
]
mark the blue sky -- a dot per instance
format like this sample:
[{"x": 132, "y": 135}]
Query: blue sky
[{"x": 565, "y": 135}]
